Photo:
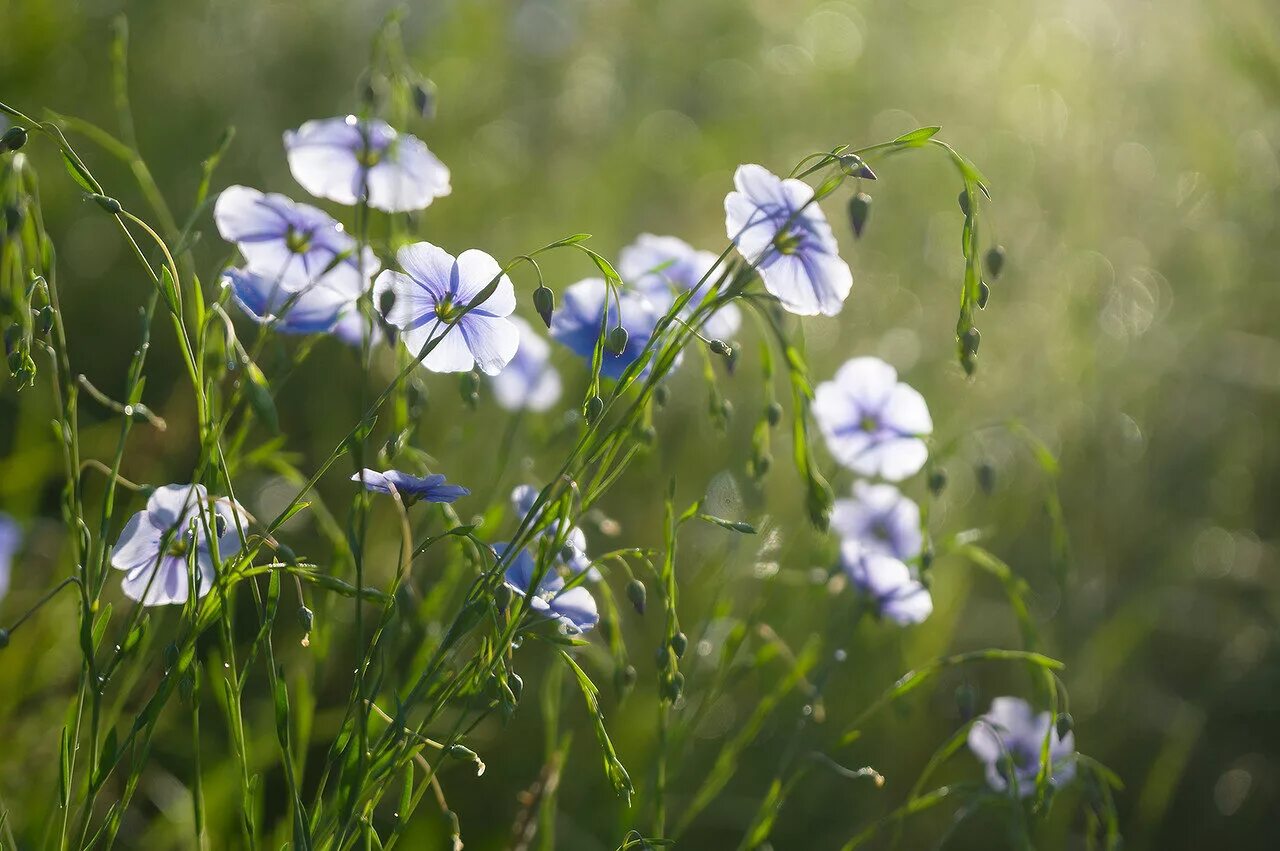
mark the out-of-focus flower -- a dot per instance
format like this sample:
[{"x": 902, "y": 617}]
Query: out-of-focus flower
[
  {"x": 157, "y": 542},
  {"x": 431, "y": 488},
  {"x": 881, "y": 518},
  {"x": 576, "y": 324},
  {"x": 10, "y": 543},
  {"x": 574, "y": 607},
  {"x": 345, "y": 160},
  {"x": 660, "y": 267},
  {"x": 529, "y": 381},
  {"x": 314, "y": 310},
  {"x": 294, "y": 244},
  {"x": 573, "y": 552},
  {"x": 788, "y": 239},
  {"x": 434, "y": 289},
  {"x": 1009, "y": 741},
  {"x": 887, "y": 582},
  {"x": 873, "y": 424}
]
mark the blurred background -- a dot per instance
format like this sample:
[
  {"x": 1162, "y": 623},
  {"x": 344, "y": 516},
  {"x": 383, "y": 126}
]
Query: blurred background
[{"x": 1131, "y": 150}]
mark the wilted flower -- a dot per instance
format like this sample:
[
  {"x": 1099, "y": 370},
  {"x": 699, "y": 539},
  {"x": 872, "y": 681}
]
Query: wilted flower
[
  {"x": 576, "y": 324},
  {"x": 881, "y": 518},
  {"x": 787, "y": 238},
  {"x": 529, "y": 381},
  {"x": 316, "y": 309},
  {"x": 156, "y": 543},
  {"x": 346, "y": 159},
  {"x": 887, "y": 582},
  {"x": 294, "y": 244},
  {"x": 10, "y": 542},
  {"x": 660, "y": 267},
  {"x": 1009, "y": 741},
  {"x": 431, "y": 488},
  {"x": 872, "y": 423},
  {"x": 434, "y": 289},
  {"x": 575, "y": 608}
]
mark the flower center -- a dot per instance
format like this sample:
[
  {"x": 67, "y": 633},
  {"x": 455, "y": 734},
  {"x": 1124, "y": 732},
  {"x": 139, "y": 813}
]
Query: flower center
[
  {"x": 297, "y": 241},
  {"x": 869, "y": 423},
  {"x": 447, "y": 310},
  {"x": 787, "y": 243},
  {"x": 880, "y": 532},
  {"x": 179, "y": 546},
  {"x": 368, "y": 157}
]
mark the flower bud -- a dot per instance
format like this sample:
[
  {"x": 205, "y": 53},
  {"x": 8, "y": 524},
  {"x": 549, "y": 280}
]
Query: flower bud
[
  {"x": 963, "y": 200},
  {"x": 725, "y": 409},
  {"x": 306, "y": 618},
  {"x": 720, "y": 347},
  {"x": 674, "y": 687},
  {"x": 628, "y": 676},
  {"x": 984, "y": 294},
  {"x": 516, "y": 684},
  {"x": 966, "y": 701},
  {"x": 663, "y": 657},
  {"x": 4, "y": 638},
  {"x": 424, "y": 98},
  {"x": 995, "y": 261},
  {"x": 926, "y": 558},
  {"x": 761, "y": 464},
  {"x": 469, "y": 388},
  {"x": 773, "y": 413},
  {"x": 859, "y": 212},
  {"x": 593, "y": 409},
  {"x": 661, "y": 395},
  {"x": 544, "y": 301},
  {"x": 14, "y": 138},
  {"x": 170, "y": 656},
  {"x": 110, "y": 205},
  {"x": 44, "y": 319},
  {"x": 462, "y": 752},
  {"x": 646, "y": 434},
  {"x": 970, "y": 341},
  {"x": 637, "y": 594},
  {"x": 853, "y": 166},
  {"x": 616, "y": 343},
  {"x": 1065, "y": 724},
  {"x": 986, "y": 474},
  {"x": 502, "y": 597},
  {"x": 937, "y": 481},
  {"x": 679, "y": 644}
]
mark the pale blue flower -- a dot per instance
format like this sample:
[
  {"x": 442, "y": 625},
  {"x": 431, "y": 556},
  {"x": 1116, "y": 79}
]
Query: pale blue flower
[
  {"x": 318, "y": 309},
  {"x": 295, "y": 244},
  {"x": 156, "y": 543},
  {"x": 345, "y": 160},
  {"x": 431, "y": 488},
  {"x": 573, "y": 552},
  {"x": 787, "y": 238},
  {"x": 434, "y": 289},
  {"x": 10, "y": 543},
  {"x": 661, "y": 267},
  {"x": 887, "y": 583},
  {"x": 873, "y": 424},
  {"x": 1009, "y": 741},
  {"x": 574, "y": 607},
  {"x": 529, "y": 381},
  {"x": 881, "y": 518},
  {"x": 576, "y": 325}
]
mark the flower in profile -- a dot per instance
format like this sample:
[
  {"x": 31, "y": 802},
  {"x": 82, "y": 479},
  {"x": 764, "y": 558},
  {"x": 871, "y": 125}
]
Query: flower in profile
[
  {"x": 873, "y": 424},
  {"x": 317, "y": 309},
  {"x": 157, "y": 542},
  {"x": 574, "y": 607},
  {"x": 778, "y": 228},
  {"x": 435, "y": 289},
  {"x": 1009, "y": 740},
  {"x": 660, "y": 267},
  {"x": 887, "y": 582},
  {"x": 295, "y": 244},
  {"x": 529, "y": 381},
  {"x": 576, "y": 325},
  {"x": 431, "y": 488},
  {"x": 573, "y": 552},
  {"x": 10, "y": 543},
  {"x": 881, "y": 518},
  {"x": 348, "y": 160}
]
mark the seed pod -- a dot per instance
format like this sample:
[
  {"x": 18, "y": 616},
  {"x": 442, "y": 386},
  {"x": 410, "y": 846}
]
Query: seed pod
[
  {"x": 629, "y": 676},
  {"x": 637, "y": 594},
  {"x": 963, "y": 200},
  {"x": 4, "y": 638},
  {"x": 647, "y": 434},
  {"x": 502, "y": 597},
  {"x": 970, "y": 341},
  {"x": 984, "y": 293},
  {"x": 306, "y": 618},
  {"x": 544, "y": 301},
  {"x": 679, "y": 644},
  {"x": 462, "y": 752},
  {"x": 110, "y": 205},
  {"x": 14, "y": 138},
  {"x": 44, "y": 319},
  {"x": 995, "y": 261},
  {"x": 593, "y": 409},
  {"x": 674, "y": 686},
  {"x": 663, "y": 657},
  {"x": 661, "y": 395},
  {"x": 617, "y": 340},
  {"x": 720, "y": 347},
  {"x": 859, "y": 212},
  {"x": 773, "y": 413},
  {"x": 761, "y": 464}
]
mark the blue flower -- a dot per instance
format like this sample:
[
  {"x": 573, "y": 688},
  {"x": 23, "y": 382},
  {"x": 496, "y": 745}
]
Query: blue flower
[
  {"x": 787, "y": 238},
  {"x": 576, "y": 324},
  {"x": 574, "y": 607},
  {"x": 529, "y": 381},
  {"x": 294, "y": 244},
  {"x": 888, "y": 583},
  {"x": 411, "y": 488},
  {"x": 1009, "y": 741},
  {"x": 573, "y": 553},
  {"x": 660, "y": 267},
  {"x": 317, "y": 309},
  {"x": 433, "y": 290},
  {"x": 881, "y": 519},
  {"x": 156, "y": 568},
  {"x": 344, "y": 159},
  {"x": 10, "y": 543},
  {"x": 873, "y": 424}
]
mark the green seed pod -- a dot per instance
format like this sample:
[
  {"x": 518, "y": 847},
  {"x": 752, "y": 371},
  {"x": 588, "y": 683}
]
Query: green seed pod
[
  {"x": 674, "y": 687},
  {"x": 647, "y": 434},
  {"x": 761, "y": 464},
  {"x": 984, "y": 294},
  {"x": 995, "y": 261},
  {"x": 110, "y": 205},
  {"x": 44, "y": 319},
  {"x": 637, "y": 594},
  {"x": 726, "y": 409},
  {"x": 617, "y": 340},
  {"x": 970, "y": 341},
  {"x": 679, "y": 644},
  {"x": 14, "y": 138},
  {"x": 661, "y": 395},
  {"x": 859, "y": 212},
  {"x": 629, "y": 676},
  {"x": 963, "y": 200},
  {"x": 544, "y": 301},
  {"x": 1065, "y": 724},
  {"x": 663, "y": 657},
  {"x": 720, "y": 347},
  {"x": 593, "y": 409},
  {"x": 502, "y": 597},
  {"x": 773, "y": 413}
]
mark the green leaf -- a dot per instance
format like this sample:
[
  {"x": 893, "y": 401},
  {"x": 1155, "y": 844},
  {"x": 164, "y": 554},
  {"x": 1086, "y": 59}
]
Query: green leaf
[
  {"x": 169, "y": 291},
  {"x": 916, "y": 138},
  {"x": 79, "y": 173}
]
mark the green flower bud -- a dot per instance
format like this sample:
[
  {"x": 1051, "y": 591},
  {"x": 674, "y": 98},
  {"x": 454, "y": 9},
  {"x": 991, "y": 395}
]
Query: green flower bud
[
  {"x": 44, "y": 319},
  {"x": 720, "y": 347},
  {"x": 859, "y": 212},
  {"x": 544, "y": 301},
  {"x": 970, "y": 341},
  {"x": 963, "y": 200},
  {"x": 663, "y": 657},
  {"x": 110, "y": 205},
  {"x": 502, "y": 597},
  {"x": 1065, "y": 724},
  {"x": 984, "y": 294},
  {"x": 4, "y": 638},
  {"x": 637, "y": 594},
  {"x": 14, "y": 138},
  {"x": 424, "y": 98},
  {"x": 966, "y": 701},
  {"x": 674, "y": 687},
  {"x": 679, "y": 644},
  {"x": 773, "y": 413},
  {"x": 646, "y": 434},
  {"x": 593, "y": 409},
  {"x": 937, "y": 481},
  {"x": 661, "y": 395},
  {"x": 995, "y": 261},
  {"x": 617, "y": 340},
  {"x": 853, "y": 166},
  {"x": 306, "y": 618}
]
